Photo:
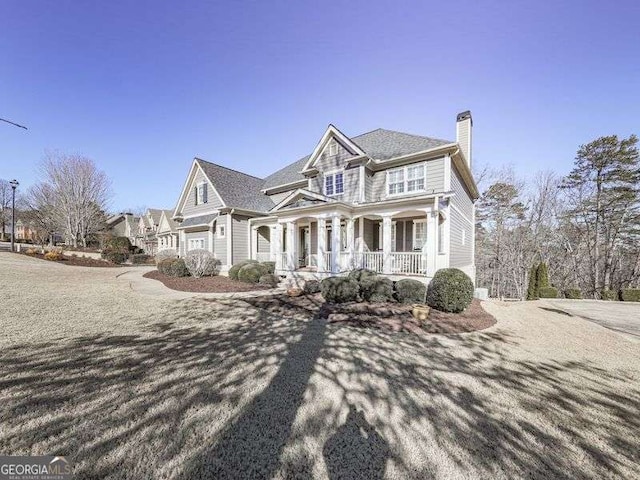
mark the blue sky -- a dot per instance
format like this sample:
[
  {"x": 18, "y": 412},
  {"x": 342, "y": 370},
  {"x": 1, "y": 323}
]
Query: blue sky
[{"x": 143, "y": 87}]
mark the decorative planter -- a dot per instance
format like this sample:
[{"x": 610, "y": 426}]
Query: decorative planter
[
  {"x": 294, "y": 292},
  {"x": 420, "y": 312}
]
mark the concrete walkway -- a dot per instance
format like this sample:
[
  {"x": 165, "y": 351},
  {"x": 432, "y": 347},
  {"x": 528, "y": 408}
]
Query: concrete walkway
[
  {"x": 621, "y": 317},
  {"x": 154, "y": 288}
]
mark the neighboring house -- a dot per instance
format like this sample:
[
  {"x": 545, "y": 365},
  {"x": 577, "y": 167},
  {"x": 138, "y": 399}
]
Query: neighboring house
[
  {"x": 168, "y": 235},
  {"x": 124, "y": 225},
  {"x": 396, "y": 203},
  {"x": 146, "y": 239}
]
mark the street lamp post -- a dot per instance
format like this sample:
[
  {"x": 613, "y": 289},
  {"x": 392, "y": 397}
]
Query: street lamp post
[{"x": 14, "y": 184}]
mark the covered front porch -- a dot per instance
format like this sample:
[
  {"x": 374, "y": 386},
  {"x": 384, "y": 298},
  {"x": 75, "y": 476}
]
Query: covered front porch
[{"x": 406, "y": 242}]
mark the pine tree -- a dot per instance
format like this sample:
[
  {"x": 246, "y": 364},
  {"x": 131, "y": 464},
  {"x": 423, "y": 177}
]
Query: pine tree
[
  {"x": 542, "y": 277},
  {"x": 532, "y": 289}
]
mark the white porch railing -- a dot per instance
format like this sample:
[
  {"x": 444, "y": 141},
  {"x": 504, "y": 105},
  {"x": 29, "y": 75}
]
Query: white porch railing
[
  {"x": 262, "y": 256},
  {"x": 369, "y": 260},
  {"x": 312, "y": 260},
  {"x": 168, "y": 249},
  {"x": 408, "y": 263}
]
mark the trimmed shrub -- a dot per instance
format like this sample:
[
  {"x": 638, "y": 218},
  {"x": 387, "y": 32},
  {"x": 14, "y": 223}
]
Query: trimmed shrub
[
  {"x": 269, "y": 279},
  {"x": 630, "y": 295},
  {"x": 201, "y": 263},
  {"x": 360, "y": 274},
  {"x": 53, "y": 255},
  {"x": 31, "y": 251},
  {"x": 270, "y": 266},
  {"x": 340, "y": 289},
  {"x": 251, "y": 272},
  {"x": 119, "y": 244},
  {"x": 140, "y": 258},
  {"x": 451, "y": 290},
  {"x": 573, "y": 293},
  {"x": 233, "y": 271},
  {"x": 608, "y": 295},
  {"x": 548, "y": 292},
  {"x": 542, "y": 276},
  {"x": 376, "y": 289},
  {"x": 165, "y": 254},
  {"x": 409, "y": 291},
  {"x": 311, "y": 287},
  {"x": 115, "y": 257},
  {"x": 174, "y": 267}
]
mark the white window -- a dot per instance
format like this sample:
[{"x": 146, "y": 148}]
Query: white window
[
  {"x": 334, "y": 183},
  {"x": 201, "y": 193},
  {"x": 419, "y": 234},
  {"x": 333, "y": 148},
  {"x": 196, "y": 243},
  {"x": 221, "y": 231},
  {"x": 406, "y": 179},
  {"x": 395, "y": 181}
]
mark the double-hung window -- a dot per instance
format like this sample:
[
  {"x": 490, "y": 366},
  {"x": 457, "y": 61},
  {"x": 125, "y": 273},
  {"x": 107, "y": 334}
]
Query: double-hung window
[
  {"x": 196, "y": 243},
  {"x": 201, "y": 193},
  {"x": 334, "y": 183},
  {"x": 406, "y": 179}
]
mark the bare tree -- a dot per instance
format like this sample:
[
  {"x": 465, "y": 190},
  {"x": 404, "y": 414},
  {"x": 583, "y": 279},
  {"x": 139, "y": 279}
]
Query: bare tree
[
  {"x": 5, "y": 206},
  {"x": 80, "y": 194}
]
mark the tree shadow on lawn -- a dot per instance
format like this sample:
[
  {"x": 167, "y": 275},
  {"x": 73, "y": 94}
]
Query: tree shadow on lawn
[{"x": 226, "y": 389}]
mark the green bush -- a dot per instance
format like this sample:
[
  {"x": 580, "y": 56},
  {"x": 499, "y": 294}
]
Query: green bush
[
  {"x": 114, "y": 257},
  {"x": 270, "y": 266},
  {"x": 140, "y": 258},
  {"x": 376, "y": 289},
  {"x": 174, "y": 267},
  {"x": 409, "y": 291},
  {"x": 548, "y": 292},
  {"x": 118, "y": 244},
  {"x": 233, "y": 271},
  {"x": 340, "y": 289},
  {"x": 360, "y": 274},
  {"x": 251, "y": 272},
  {"x": 608, "y": 295},
  {"x": 573, "y": 293},
  {"x": 542, "y": 276},
  {"x": 450, "y": 290},
  {"x": 630, "y": 295},
  {"x": 311, "y": 287},
  {"x": 269, "y": 279}
]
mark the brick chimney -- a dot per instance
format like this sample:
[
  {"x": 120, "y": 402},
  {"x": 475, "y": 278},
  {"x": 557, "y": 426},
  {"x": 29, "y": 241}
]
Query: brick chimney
[{"x": 464, "y": 125}]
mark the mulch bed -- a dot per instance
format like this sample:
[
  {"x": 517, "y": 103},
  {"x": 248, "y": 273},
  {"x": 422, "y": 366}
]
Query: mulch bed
[
  {"x": 76, "y": 261},
  {"x": 215, "y": 284},
  {"x": 386, "y": 316}
]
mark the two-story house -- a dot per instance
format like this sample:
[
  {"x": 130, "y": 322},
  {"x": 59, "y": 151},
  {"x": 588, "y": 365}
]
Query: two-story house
[{"x": 396, "y": 203}]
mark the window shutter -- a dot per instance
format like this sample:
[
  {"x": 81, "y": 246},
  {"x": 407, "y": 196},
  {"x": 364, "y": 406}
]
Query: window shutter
[
  {"x": 195, "y": 195},
  {"x": 205, "y": 193}
]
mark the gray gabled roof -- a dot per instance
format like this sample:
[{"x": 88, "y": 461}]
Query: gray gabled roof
[
  {"x": 155, "y": 215},
  {"x": 237, "y": 189},
  {"x": 379, "y": 144},
  {"x": 201, "y": 220},
  {"x": 169, "y": 214}
]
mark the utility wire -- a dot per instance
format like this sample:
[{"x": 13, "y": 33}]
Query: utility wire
[{"x": 13, "y": 123}]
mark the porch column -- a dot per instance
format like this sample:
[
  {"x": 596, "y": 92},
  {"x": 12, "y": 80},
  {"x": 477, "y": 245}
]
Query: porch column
[
  {"x": 182, "y": 248},
  {"x": 322, "y": 244},
  {"x": 429, "y": 249},
  {"x": 273, "y": 252},
  {"x": 254, "y": 243},
  {"x": 291, "y": 246},
  {"x": 350, "y": 242},
  {"x": 335, "y": 244},
  {"x": 386, "y": 244},
  {"x": 277, "y": 242}
]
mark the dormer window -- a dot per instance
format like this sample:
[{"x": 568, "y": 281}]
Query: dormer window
[
  {"x": 201, "y": 193},
  {"x": 334, "y": 183},
  {"x": 333, "y": 148}
]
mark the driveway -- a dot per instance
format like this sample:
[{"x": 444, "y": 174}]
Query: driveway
[
  {"x": 133, "y": 386},
  {"x": 617, "y": 316}
]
